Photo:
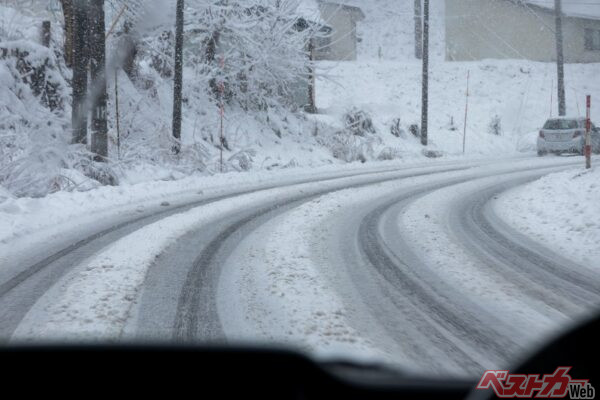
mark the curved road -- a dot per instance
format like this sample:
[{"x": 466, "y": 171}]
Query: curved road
[{"x": 402, "y": 302}]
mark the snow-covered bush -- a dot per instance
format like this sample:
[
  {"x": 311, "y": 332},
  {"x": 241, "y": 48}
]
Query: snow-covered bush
[
  {"x": 415, "y": 130},
  {"x": 389, "y": 153},
  {"x": 358, "y": 122},
  {"x": 432, "y": 153},
  {"x": 495, "y": 126},
  {"x": 242, "y": 161},
  {"x": 346, "y": 146},
  {"x": 452, "y": 125},
  {"x": 396, "y": 128}
]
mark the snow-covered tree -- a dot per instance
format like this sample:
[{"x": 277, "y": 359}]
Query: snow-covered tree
[{"x": 259, "y": 48}]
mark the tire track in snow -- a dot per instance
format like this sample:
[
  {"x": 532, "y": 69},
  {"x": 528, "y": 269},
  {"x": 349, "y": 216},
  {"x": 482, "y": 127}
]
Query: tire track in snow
[
  {"x": 197, "y": 300},
  {"x": 21, "y": 291},
  {"x": 456, "y": 320},
  {"x": 560, "y": 282}
]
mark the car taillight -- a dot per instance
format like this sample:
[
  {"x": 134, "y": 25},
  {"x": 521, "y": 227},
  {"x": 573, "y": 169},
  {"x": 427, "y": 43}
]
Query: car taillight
[
  {"x": 576, "y": 134},
  {"x": 542, "y": 134}
]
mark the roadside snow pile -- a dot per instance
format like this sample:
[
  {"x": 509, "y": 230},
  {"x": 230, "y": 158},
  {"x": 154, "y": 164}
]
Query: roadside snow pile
[{"x": 561, "y": 211}]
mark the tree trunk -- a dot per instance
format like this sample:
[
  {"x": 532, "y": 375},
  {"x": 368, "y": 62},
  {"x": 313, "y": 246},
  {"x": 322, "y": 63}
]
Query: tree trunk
[
  {"x": 67, "y": 6},
  {"x": 425, "y": 92},
  {"x": 80, "y": 59},
  {"x": 560, "y": 60},
  {"x": 46, "y": 33},
  {"x": 99, "y": 96},
  {"x": 418, "y": 30},
  {"x": 178, "y": 84}
]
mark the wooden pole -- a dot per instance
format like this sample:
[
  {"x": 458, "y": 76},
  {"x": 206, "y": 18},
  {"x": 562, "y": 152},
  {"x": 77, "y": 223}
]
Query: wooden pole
[{"x": 117, "y": 113}]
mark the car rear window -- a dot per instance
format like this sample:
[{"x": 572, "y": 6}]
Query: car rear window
[{"x": 561, "y": 124}]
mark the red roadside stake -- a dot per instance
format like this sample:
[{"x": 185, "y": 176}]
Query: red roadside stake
[{"x": 588, "y": 133}]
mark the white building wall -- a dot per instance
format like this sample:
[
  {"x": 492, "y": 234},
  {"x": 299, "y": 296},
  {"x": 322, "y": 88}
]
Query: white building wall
[
  {"x": 343, "y": 41},
  {"x": 479, "y": 29}
]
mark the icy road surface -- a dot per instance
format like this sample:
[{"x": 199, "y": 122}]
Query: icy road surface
[{"x": 408, "y": 265}]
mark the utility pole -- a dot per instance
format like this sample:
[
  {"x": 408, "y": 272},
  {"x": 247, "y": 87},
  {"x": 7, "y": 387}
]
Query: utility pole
[
  {"x": 178, "y": 84},
  {"x": 418, "y": 30},
  {"x": 560, "y": 59},
  {"x": 99, "y": 96},
  {"x": 588, "y": 133},
  {"x": 425, "y": 93}
]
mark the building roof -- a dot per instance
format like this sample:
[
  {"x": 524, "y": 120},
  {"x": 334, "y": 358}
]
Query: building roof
[
  {"x": 357, "y": 11},
  {"x": 589, "y": 9},
  {"x": 310, "y": 9}
]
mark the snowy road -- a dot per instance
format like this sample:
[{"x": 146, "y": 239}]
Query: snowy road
[{"x": 409, "y": 265}]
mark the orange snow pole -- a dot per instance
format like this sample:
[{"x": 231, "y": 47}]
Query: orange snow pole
[
  {"x": 114, "y": 24},
  {"x": 466, "y": 114}
]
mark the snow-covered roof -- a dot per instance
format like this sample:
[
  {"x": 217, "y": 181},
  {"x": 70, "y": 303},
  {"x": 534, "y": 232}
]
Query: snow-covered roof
[
  {"x": 310, "y": 9},
  {"x": 573, "y": 8},
  {"x": 346, "y": 7}
]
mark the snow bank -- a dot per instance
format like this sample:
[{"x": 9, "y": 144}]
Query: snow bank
[{"x": 561, "y": 211}]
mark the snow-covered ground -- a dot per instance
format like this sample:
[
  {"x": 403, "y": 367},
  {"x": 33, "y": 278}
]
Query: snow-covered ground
[
  {"x": 561, "y": 211},
  {"x": 518, "y": 92}
]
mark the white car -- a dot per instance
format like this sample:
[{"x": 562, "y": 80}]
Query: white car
[{"x": 565, "y": 135}]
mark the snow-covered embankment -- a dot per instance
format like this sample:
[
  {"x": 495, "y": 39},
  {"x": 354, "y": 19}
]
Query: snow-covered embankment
[{"x": 561, "y": 211}]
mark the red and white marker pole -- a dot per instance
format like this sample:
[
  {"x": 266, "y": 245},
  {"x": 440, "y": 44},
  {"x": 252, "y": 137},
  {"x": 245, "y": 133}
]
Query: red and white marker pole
[{"x": 588, "y": 133}]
